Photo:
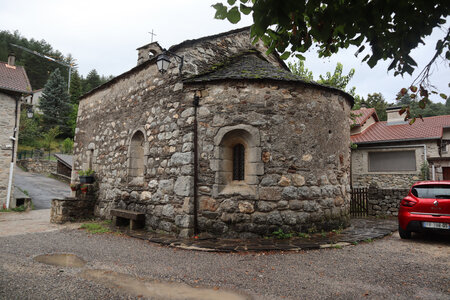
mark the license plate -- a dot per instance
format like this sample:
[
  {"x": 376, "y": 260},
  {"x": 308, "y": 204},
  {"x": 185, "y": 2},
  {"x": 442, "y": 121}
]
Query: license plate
[{"x": 436, "y": 225}]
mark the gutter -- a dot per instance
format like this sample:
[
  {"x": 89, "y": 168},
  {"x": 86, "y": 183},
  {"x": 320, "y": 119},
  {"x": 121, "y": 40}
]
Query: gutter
[{"x": 196, "y": 105}]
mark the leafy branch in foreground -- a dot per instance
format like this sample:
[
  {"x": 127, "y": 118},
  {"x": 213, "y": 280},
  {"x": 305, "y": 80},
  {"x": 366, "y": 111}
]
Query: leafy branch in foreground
[{"x": 381, "y": 30}]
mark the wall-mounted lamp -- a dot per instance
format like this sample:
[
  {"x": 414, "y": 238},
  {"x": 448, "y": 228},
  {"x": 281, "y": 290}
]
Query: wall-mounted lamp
[
  {"x": 163, "y": 61},
  {"x": 30, "y": 113}
]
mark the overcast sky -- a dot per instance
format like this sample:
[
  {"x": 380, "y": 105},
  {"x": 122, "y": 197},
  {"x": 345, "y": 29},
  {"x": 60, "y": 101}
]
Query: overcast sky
[{"x": 104, "y": 35}]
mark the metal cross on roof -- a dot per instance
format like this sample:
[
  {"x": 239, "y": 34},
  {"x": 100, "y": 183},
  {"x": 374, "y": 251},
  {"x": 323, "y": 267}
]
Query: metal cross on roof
[{"x": 152, "y": 34}]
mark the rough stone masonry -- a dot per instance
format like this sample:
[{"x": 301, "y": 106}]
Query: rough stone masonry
[{"x": 234, "y": 145}]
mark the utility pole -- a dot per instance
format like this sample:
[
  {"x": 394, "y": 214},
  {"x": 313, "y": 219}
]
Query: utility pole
[{"x": 49, "y": 58}]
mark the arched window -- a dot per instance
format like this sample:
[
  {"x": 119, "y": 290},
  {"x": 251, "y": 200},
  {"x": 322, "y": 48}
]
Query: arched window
[
  {"x": 136, "y": 155},
  {"x": 238, "y": 162}
]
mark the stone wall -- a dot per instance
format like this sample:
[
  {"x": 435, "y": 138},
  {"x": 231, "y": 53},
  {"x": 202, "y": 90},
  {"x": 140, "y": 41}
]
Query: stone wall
[
  {"x": 70, "y": 209},
  {"x": 385, "y": 181},
  {"x": 7, "y": 118},
  {"x": 40, "y": 166},
  {"x": 298, "y": 158},
  {"x": 385, "y": 202}
]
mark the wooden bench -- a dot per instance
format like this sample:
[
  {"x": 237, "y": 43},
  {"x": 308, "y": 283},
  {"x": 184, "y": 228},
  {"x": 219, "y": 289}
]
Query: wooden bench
[{"x": 123, "y": 216}]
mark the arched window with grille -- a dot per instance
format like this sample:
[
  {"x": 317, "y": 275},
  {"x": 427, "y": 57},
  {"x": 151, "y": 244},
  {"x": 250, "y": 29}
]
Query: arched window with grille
[{"x": 238, "y": 162}]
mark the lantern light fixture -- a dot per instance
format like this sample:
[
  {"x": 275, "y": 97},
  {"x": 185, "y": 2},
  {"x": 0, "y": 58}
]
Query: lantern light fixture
[{"x": 163, "y": 61}]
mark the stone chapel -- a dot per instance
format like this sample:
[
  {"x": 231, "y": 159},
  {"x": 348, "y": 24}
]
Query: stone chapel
[{"x": 231, "y": 143}]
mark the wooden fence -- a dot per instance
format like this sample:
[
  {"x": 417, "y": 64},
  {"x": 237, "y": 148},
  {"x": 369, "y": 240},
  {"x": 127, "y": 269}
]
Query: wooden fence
[{"x": 359, "y": 206}]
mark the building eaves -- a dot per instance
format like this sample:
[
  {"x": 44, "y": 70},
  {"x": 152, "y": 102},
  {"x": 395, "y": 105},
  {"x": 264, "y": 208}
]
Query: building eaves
[
  {"x": 251, "y": 65},
  {"x": 397, "y": 141}
]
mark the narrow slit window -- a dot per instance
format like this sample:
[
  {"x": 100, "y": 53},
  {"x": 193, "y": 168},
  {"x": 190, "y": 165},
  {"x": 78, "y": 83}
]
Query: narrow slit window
[{"x": 238, "y": 162}]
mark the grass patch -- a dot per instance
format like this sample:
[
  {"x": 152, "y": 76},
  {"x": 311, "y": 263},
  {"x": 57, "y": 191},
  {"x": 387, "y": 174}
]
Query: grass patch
[
  {"x": 15, "y": 209},
  {"x": 95, "y": 228},
  {"x": 304, "y": 235}
]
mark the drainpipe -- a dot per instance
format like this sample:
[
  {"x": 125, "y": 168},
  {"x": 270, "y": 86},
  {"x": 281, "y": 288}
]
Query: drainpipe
[
  {"x": 196, "y": 105},
  {"x": 11, "y": 167}
]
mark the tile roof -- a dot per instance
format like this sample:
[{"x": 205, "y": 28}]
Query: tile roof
[
  {"x": 379, "y": 132},
  {"x": 14, "y": 79},
  {"x": 251, "y": 66},
  {"x": 361, "y": 115}
]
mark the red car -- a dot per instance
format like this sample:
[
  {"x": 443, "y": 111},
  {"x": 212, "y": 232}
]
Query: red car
[{"x": 427, "y": 206}]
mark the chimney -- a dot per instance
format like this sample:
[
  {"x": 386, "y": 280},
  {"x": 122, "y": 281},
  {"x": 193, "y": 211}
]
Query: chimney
[
  {"x": 11, "y": 59},
  {"x": 394, "y": 117}
]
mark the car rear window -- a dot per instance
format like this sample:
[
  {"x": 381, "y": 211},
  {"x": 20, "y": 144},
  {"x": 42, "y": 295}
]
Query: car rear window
[{"x": 431, "y": 191}]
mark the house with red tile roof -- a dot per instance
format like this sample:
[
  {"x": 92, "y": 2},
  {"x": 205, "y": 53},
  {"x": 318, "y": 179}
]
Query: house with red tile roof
[
  {"x": 393, "y": 153},
  {"x": 14, "y": 84}
]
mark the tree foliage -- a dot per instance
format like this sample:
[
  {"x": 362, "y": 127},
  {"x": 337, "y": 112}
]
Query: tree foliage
[
  {"x": 76, "y": 89},
  {"x": 54, "y": 103},
  {"x": 49, "y": 138},
  {"x": 29, "y": 129},
  {"x": 299, "y": 68},
  {"x": 382, "y": 30},
  {"x": 337, "y": 79},
  {"x": 38, "y": 69},
  {"x": 391, "y": 29}
]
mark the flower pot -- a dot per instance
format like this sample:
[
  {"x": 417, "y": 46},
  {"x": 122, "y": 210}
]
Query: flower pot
[
  {"x": 84, "y": 190},
  {"x": 87, "y": 179},
  {"x": 73, "y": 188}
]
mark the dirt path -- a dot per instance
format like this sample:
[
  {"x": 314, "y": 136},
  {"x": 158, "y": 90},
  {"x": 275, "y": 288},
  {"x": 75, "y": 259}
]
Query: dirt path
[{"x": 14, "y": 223}]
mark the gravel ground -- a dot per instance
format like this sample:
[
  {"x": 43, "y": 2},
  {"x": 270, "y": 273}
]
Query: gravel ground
[{"x": 388, "y": 268}]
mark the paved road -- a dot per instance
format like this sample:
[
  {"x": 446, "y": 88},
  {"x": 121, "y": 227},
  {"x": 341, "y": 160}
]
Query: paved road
[
  {"x": 40, "y": 188},
  {"x": 119, "y": 267}
]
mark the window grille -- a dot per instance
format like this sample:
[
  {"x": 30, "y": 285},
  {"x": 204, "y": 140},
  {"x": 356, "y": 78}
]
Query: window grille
[{"x": 238, "y": 162}]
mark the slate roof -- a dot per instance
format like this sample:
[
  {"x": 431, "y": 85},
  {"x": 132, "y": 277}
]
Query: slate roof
[
  {"x": 251, "y": 66},
  {"x": 363, "y": 114},
  {"x": 381, "y": 132},
  {"x": 65, "y": 159},
  {"x": 14, "y": 79}
]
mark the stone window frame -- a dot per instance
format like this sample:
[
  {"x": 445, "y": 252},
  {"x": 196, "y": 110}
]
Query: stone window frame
[
  {"x": 132, "y": 179},
  {"x": 222, "y": 164}
]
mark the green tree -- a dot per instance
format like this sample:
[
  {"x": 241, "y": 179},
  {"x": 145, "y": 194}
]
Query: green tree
[
  {"x": 29, "y": 129},
  {"x": 67, "y": 145},
  {"x": 72, "y": 123},
  {"x": 377, "y": 101},
  {"x": 336, "y": 79},
  {"x": 298, "y": 68},
  {"x": 75, "y": 88},
  {"x": 391, "y": 29},
  {"x": 55, "y": 104},
  {"x": 92, "y": 81},
  {"x": 38, "y": 69},
  {"x": 382, "y": 30},
  {"x": 49, "y": 139}
]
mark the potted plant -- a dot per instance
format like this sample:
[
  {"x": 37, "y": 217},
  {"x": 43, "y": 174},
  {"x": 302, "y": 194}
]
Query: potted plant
[
  {"x": 73, "y": 187},
  {"x": 86, "y": 176},
  {"x": 84, "y": 188}
]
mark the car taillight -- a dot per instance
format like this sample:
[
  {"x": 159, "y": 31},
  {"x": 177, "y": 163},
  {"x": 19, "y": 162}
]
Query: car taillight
[{"x": 408, "y": 202}]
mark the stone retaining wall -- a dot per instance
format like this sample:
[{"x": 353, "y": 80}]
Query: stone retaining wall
[
  {"x": 385, "y": 202},
  {"x": 40, "y": 166},
  {"x": 76, "y": 208}
]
